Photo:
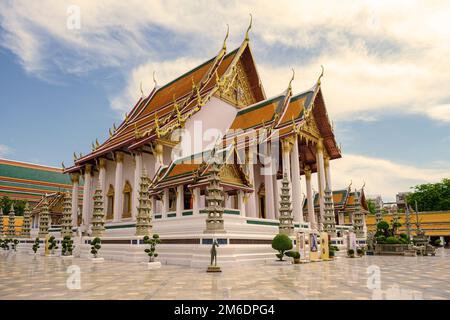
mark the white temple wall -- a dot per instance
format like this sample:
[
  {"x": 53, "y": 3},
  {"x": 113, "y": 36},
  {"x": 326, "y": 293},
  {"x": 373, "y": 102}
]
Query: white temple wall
[
  {"x": 148, "y": 162},
  {"x": 109, "y": 175},
  {"x": 128, "y": 175},
  {"x": 202, "y": 130}
]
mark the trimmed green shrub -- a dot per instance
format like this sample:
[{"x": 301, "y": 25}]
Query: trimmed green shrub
[
  {"x": 52, "y": 244},
  {"x": 350, "y": 252},
  {"x": 95, "y": 246},
  {"x": 383, "y": 225},
  {"x": 437, "y": 242},
  {"x": 281, "y": 243},
  {"x": 67, "y": 246},
  {"x": 35, "y": 245},
  {"x": 360, "y": 251},
  {"x": 380, "y": 239},
  {"x": 293, "y": 254},
  {"x": 392, "y": 240},
  {"x": 331, "y": 253},
  {"x": 153, "y": 241}
]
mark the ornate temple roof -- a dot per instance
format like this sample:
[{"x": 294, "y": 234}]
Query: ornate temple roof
[
  {"x": 193, "y": 170},
  {"x": 343, "y": 199},
  {"x": 27, "y": 181}
]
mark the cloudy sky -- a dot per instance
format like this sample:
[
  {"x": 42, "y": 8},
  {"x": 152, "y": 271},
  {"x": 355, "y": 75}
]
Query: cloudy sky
[{"x": 64, "y": 82}]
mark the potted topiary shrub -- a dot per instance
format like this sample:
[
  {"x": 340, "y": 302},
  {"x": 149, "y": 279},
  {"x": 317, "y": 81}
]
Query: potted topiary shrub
[
  {"x": 67, "y": 248},
  {"x": 35, "y": 246},
  {"x": 351, "y": 253},
  {"x": 95, "y": 247},
  {"x": 281, "y": 243},
  {"x": 360, "y": 252},
  {"x": 438, "y": 242},
  {"x": 331, "y": 253},
  {"x": 14, "y": 244},
  {"x": 151, "y": 251},
  {"x": 52, "y": 246},
  {"x": 295, "y": 255}
]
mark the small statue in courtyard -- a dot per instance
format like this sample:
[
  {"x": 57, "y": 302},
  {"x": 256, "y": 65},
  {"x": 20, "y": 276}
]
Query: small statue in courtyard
[{"x": 214, "y": 267}]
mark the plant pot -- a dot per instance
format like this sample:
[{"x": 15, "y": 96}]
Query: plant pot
[
  {"x": 153, "y": 265},
  {"x": 97, "y": 260},
  {"x": 296, "y": 261}
]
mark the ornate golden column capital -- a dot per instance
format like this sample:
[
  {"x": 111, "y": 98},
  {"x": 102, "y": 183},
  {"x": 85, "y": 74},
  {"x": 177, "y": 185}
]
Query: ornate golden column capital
[
  {"x": 319, "y": 145},
  {"x": 75, "y": 177},
  {"x": 102, "y": 163},
  {"x": 88, "y": 168},
  {"x": 287, "y": 146},
  {"x": 326, "y": 161},
  {"x": 119, "y": 156},
  {"x": 307, "y": 172}
]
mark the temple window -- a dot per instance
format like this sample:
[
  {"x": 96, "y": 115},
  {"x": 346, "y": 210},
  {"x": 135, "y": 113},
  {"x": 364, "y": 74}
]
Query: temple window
[
  {"x": 172, "y": 199},
  {"x": 126, "y": 200},
  {"x": 262, "y": 201},
  {"x": 110, "y": 203},
  {"x": 187, "y": 198}
]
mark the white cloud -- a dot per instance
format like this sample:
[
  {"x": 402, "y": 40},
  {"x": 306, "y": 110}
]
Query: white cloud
[
  {"x": 379, "y": 56},
  {"x": 382, "y": 176},
  {"x": 5, "y": 150}
]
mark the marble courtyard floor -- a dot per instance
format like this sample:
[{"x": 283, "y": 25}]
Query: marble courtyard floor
[{"x": 24, "y": 276}]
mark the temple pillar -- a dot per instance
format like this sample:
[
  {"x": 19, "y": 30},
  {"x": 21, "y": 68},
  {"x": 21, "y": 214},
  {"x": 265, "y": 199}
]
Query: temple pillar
[
  {"x": 196, "y": 201},
  {"x": 75, "y": 177},
  {"x": 165, "y": 203},
  {"x": 87, "y": 196},
  {"x": 118, "y": 186},
  {"x": 296, "y": 183},
  {"x": 309, "y": 199},
  {"x": 327, "y": 173},
  {"x": 158, "y": 154},
  {"x": 251, "y": 202},
  {"x": 137, "y": 181},
  {"x": 269, "y": 195},
  {"x": 241, "y": 202},
  {"x": 321, "y": 180},
  {"x": 180, "y": 202},
  {"x": 287, "y": 147}
]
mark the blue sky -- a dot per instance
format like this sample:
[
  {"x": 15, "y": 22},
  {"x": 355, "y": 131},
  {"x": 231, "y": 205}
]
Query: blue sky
[{"x": 385, "y": 84}]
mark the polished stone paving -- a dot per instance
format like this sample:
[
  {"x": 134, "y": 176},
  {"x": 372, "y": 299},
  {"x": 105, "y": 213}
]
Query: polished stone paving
[{"x": 24, "y": 276}]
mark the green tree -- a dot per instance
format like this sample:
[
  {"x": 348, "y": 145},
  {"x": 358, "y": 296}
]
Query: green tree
[
  {"x": 19, "y": 205},
  {"x": 431, "y": 196},
  {"x": 371, "y": 206},
  {"x": 281, "y": 243}
]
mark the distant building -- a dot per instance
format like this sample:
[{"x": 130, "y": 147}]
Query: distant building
[
  {"x": 30, "y": 182},
  {"x": 377, "y": 200}
]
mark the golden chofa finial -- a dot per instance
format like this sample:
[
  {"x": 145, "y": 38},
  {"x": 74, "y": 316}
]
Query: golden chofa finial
[
  {"x": 292, "y": 79},
  {"x": 224, "y": 46},
  {"x": 63, "y": 166},
  {"x": 97, "y": 144},
  {"x": 154, "y": 79},
  {"x": 142, "y": 91},
  {"x": 74, "y": 157},
  {"x": 364, "y": 184},
  {"x": 321, "y": 75},
  {"x": 126, "y": 117},
  {"x": 249, "y": 27},
  {"x": 110, "y": 133}
]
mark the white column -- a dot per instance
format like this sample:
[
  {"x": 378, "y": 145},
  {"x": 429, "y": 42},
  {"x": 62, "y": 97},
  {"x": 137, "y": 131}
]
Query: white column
[
  {"x": 87, "y": 195},
  {"x": 75, "y": 177},
  {"x": 180, "y": 196},
  {"x": 268, "y": 184},
  {"x": 196, "y": 201},
  {"x": 158, "y": 154},
  {"x": 309, "y": 199},
  {"x": 286, "y": 160},
  {"x": 297, "y": 209},
  {"x": 118, "y": 186},
  {"x": 321, "y": 180},
  {"x": 251, "y": 202},
  {"x": 137, "y": 181},
  {"x": 241, "y": 202},
  {"x": 165, "y": 203},
  {"x": 276, "y": 196},
  {"x": 328, "y": 173}
]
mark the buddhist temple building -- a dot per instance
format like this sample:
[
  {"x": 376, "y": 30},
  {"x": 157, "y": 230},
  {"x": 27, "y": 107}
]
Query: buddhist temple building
[
  {"x": 30, "y": 182},
  {"x": 217, "y": 111}
]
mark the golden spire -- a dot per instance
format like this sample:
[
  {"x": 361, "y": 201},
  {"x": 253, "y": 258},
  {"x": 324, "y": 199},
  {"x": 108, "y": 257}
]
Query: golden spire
[
  {"x": 224, "y": 46},
  {"x": 350, "y": 185},
  {"x": 292, "y": 79},
  {"x": 249, "y": 27},
  {"x": 154, "y": 80},
  {"x": 321, "y": 75},
  {"x": 97, "y": 144}
]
